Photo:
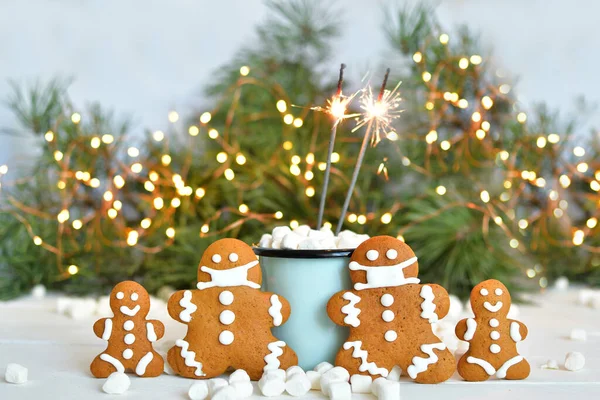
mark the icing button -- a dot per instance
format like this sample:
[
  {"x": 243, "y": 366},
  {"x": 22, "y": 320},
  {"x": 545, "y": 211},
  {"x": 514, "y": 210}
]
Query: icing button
[
  {"x": 127, "y": 354},
  {"x": 226, "y": 297},
  {"x": 494, "y": 322},
  {"x": 226, "y": 337},
  {"x": 495, "y": 348},
  {"x": 495, "y": 335},
  {"x": 227, "y": 317},
  {"x": 128, "y": 325},
  {"x": 388, "y": 316},
  {"x": 390, "y": 336},
  {"x": 129, "y": 338},
  {"x": 387, "y": 300}
]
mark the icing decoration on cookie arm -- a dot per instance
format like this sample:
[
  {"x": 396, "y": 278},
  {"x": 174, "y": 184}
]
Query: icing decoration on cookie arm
[
  {"x": 275, "y": 310},
  {"x": 174, "y": 305},
  {"x": 336, "y": 308},
  {"x": 155, "y": 330},
  {"x": 441, "y": 300},
  {"x": 350, "y": 309},
  {"x": 427, "y": 305},
  {"x": 275, "y": 351},
  {"x": 518, "y": 331},
  {"x": 100, "y": 327},
  {"x": 188, "y": 307}
]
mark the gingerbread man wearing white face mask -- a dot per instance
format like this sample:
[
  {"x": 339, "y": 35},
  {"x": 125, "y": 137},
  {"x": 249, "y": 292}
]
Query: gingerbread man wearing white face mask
[
  {"x": 390, "y": 315},
  {"x": 492, "y": 336},
  {"x": 229, "y": 319}
]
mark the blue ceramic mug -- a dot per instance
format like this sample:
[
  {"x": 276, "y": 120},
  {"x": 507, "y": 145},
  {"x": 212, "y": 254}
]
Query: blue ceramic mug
[{"x": 307, "y": 279}]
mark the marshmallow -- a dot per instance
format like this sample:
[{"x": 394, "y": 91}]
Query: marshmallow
[
  {"x": 389, "y": 391},
  {"x": 327, "y": 232},
  {"x": 279, "y": 232},
  {"x": 550, "y": 364},
  {"x": 315, "y": 380},
  {"x": 336, "y": 374},
  {"x": 585, "y": 296},
  {"x": 323, "y": 367},
  {"x": 165, "y": 292},
  {"x": 339, "y": 391},
  {"x": 243, "y": 389},
  {"x": 224, "y": 393},
  {"x": 562, "y": 283},
  {"x": 63, "y": 304},
  {"x": 276, "y": 373},
  {"x": 38, "y": 291},
  {"x": 361, "y": 383},
  {"x": 578, "y": 334},
  {"x": 291, "y": 241},
  {"x": 595, "y": 302},
  {"x": 265, "y": 240},
  {"x": 215, "y": 384},
  {"x": 294, "y": 369},
  {"x": 198, "y": 390},
  {"x": 15, "y": 373},
  {"x": 239, "y": 375},
  {"x": 276, "y": 244},
  {"x": 456, "y": 307},
  {"x": 302, "y": 230},
  {"x": 574, "y": 361},
  {"x": 395, "y": 373},
  {"x": 297, "y": 384},
  {"x": 116, "y": 383},
  {"x": 270, "y": 385},
  {"x": 312, "y": 243},
  {"x": 376, "y": 384},
  {"x": 348, "y": 242},
  {"x": 82, "y": 308}
]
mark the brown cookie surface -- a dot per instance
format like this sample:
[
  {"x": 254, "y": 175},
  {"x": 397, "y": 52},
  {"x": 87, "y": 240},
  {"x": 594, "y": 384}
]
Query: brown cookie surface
[
  {"x": 229, "y": 319},
  {"x": 129, "y": 334},
  {"x": 492, "y": 336},
  {"x": 390, "y": 315}
]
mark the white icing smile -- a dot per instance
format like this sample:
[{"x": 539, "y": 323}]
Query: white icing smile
[
  {"x": 130, "y": 311},
  {"x": 493, "y": 308},
  {"x": 384, "y": 276}
]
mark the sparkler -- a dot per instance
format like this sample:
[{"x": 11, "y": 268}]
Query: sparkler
[
  {"x": 378, "y": 113},
  {"x": 336, "y": 107}
]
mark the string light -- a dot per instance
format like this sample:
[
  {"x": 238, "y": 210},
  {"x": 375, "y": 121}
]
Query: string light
[
  {"x": 523, "y": 224},
  {"x": 335, "y": 157},
  {"x": 158, "y": 136},
  {"x": 514, "y": 243},
  {"x": 173, "y": 116},
  {"x": 498, "y": 220},
  {"x": 77, "y": 224},
  {"x": 193, "y": 130},
  {"x": 288, "y": 119},
  {"x": 244, "y": 70},
  {"x": 487, "y": 102},
  {"x": 426, "y": 76},
  {"x": 429, "y": 105},
  {"x": 521, "y": 117},
  {"x": 431, "y": 137},
  {"x": 441, "y": 190},
  {"x": 463, "y": 103},
  {"x": 480, "y": 134},
  {"x": 222, "y": 157},
  {"x": 205, "y": 117},
  {"x": 49, "y": 136},
  {"x": 119, "y": 181},
  {"x": 95, "y": 182},
  {"x": 530, "y": 273},
  {"x": 200, "y": 192},
  {"x": 73, "y": 269},
  {"x": 58, "y": 156},
  {"x": 295, "y": 170},
  {"x": 309, "y": 175},
  {"x": 541, "y": 142},
  {"x": 159, "y": 203},
  {"x": 558, "y": 212},
  {"x": 132, "y": 238},
  {"x": 37, "y": 240},
  {"x": 278, "y": 215},
  {"x": 553, "y": 138},
  {"x": 63, "y": 216},
  {"x": 243, "y": 208},
  {"x": 117, "y": 205},
  {"x": 204, "y": 228},
  {"x": 485, "y": 196},
  {"x": 310, "y": 158},
  {"x": 170, "y": 232},
  {"x": 401, "y": 238},
  {"x": 444, "y": 38},
  {"x": 281, "y": 106},
  {"x": 476, "y": 59},
  {"x": 61, "y": 185},
  {"x": 165, "y": 160},
  {"x": 578, "y": 237},
  {"x": 445, "y": 145},
  {"x": 565, "y": 181},
  {"x": 108, "y": 196},
  {"x": 386, "y": 218},
  {"x": 476, "y": 116},
  {"x": 352, "y": 218},
  {"x": 153, "y": 175},
  {"x": 112, "y": 213},
  {"x": 504, "y": 89},
  {"x": 579, "y": 151},
  {"x": 298, "y": 122},
  {"x": 361, "y": 219},
  {"x": 136, "y": 168},
  {"x": 175, "y": 202},
  {"x": 310, "y": 191},
  {"x": 287, "y": 145},
  {"x": 229, "y": 174},
  {"x": 592, "y": 222},
  {"x": 322, "y": 166},
  {"x": 563, "y": 204},
  {"x": 240, "y": 159},
  {"x": 417, "y": 57},
  {"x": 95, "y": 142},
  {"x": 582, "y": 167},
  {"x": 213, "y": 133},
  {"x": 485, "y": 125},
  {"x": 76, "y": 118},
  {"x": 108, "y": 139},
  {"x": 463, "y": 63},
  {"x": 145, "y": 223},
  {"x": 294, "y": 224},
  {"x": 133, "y": 152}
]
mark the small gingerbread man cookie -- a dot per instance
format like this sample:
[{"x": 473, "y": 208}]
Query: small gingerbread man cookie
[
  {"x": 229, "y": 318},
  {"x": 129, "y": 334},
  {"x": 390, "y": 315},
  {"x": 492, "y": 336}
]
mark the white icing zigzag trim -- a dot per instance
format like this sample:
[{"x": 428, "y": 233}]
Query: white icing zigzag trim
[
  {"x": 143, "y": 363},
  {"x": 471, "y": 327},
  {"x": 419, "y": 364},
  {"x": 350, "y": 310},
  {"x": 150, "y": 332},
  {"x": 188, "y": 307},
  {"x": 427, "y": 305},
  {"x": 370, "y": 367},
  {"x": 189, "y": 357},
  {"x": 111, "y": 360},
  {"x": 275, "y": 310},
  {"x": 272, "y": 359},
  {"x": 107, "y": 329},
  {"x": 515, "y": 332}
]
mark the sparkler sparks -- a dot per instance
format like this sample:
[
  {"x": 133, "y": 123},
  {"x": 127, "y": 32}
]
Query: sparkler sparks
[{"x": 381, "y": 110}]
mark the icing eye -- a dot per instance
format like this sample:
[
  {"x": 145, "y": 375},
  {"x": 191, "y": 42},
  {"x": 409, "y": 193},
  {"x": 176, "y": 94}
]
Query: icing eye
[
  {"x": 391, "y": 254},
  {"x": 372, "y": 255},
  {"x": 120, "y": 295},
  {"x": 216, "y": 258},
  {"x": 498, "y": 292},
  {"x": 233, "y": 257},
  {"x": 134, "y": 296},
  {"x": 484, "y": 292}
]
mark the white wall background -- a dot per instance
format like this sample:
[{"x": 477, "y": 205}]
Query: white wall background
[{"x": 146, "y": 57}]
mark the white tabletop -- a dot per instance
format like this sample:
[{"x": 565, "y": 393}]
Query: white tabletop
[{"x": 58, "y": 350}]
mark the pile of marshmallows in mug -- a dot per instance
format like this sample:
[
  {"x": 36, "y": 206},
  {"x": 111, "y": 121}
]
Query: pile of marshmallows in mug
[{"x": 305, "y": 238}]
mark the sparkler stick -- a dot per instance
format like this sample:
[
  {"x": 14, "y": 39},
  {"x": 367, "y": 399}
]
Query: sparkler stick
[
  {"x": 374, "y": 113},
  {"x": 338, "y": 110}
]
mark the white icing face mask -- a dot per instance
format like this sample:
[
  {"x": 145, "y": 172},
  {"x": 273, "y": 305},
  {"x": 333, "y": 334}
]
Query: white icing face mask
[
  {"x": 237, "y": 276},
  {"x": 384, "y": 276}
]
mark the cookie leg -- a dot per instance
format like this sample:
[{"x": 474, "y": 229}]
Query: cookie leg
[
  {"x": 472, "y": 372},
  {"x": 276, "y": 356},
  {"x": 357, "y": 359},
  {"x": 150, "y": 365},
  {"x": 190, "y": 364},
  {"x": 432, "y": 364},
  {"x": 104, "y": 365},
  {"x": 518, "y": 371}
]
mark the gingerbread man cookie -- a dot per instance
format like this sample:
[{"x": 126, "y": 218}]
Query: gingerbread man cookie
[
  {"x": 229, "y": 319},
  {"x": 492, "y": 336},
  {"x": 129, "y": 334},
  {"x": 390, "y": 315}
]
